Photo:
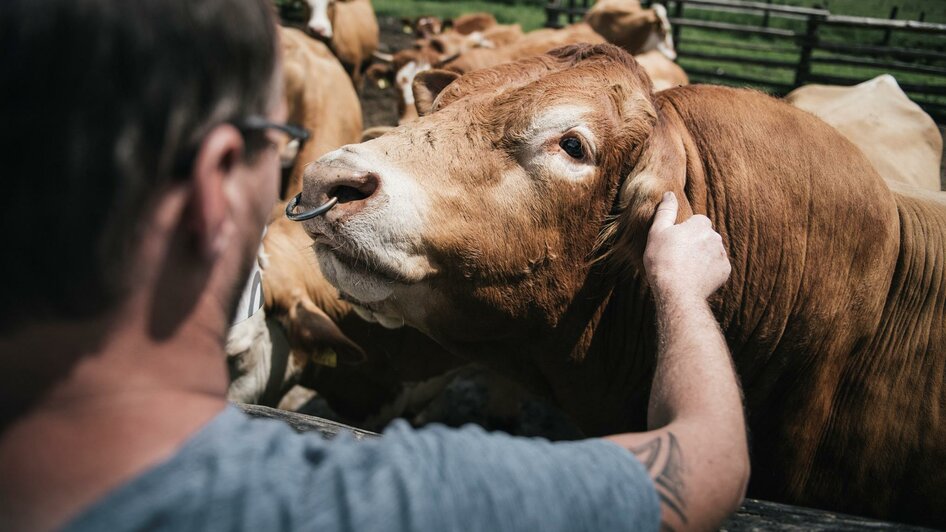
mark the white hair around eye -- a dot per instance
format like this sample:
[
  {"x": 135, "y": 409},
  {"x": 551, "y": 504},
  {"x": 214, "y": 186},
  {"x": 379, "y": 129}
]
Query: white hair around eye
[{"x": 559, "y": 145}]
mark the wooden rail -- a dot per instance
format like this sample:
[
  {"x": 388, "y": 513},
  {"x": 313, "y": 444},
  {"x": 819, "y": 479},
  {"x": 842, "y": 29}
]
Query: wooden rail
[
  {"x": 807, "y": 34},
  {"x": 754, "y": 515}
]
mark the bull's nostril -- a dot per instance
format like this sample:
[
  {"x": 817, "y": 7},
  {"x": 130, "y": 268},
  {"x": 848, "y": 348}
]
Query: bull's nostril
[
  {"x": 346, "y": 194},
  {"x": 355, "y": 192}
]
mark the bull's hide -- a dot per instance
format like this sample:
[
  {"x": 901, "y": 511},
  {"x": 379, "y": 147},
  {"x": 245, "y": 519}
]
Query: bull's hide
[{"x": 526, "y": 256}]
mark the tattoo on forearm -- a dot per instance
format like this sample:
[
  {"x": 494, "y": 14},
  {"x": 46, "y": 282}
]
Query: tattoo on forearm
[{"x": 663, "y": 459}]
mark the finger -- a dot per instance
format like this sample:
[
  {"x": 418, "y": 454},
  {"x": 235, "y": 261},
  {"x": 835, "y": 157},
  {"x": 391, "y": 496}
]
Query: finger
[{"x": 666, "y": 214}]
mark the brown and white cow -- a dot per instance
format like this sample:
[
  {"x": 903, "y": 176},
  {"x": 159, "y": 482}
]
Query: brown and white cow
[
  {"x": 509, "y": 222},
  {"x": 624, "y": 23},
  {"x": 351, "y": 29},
  {"x": 899, "y": 138}
]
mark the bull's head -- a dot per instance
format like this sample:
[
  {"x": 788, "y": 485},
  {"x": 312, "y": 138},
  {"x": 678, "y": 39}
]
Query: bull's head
[{"x": 481, "y": 220}]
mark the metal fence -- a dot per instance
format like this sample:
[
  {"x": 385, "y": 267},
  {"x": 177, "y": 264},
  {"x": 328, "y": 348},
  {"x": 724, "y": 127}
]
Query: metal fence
[{"x": 810, "y": 37}]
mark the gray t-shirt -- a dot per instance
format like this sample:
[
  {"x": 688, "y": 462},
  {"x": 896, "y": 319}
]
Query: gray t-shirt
[{"x": 240, "y": 473}]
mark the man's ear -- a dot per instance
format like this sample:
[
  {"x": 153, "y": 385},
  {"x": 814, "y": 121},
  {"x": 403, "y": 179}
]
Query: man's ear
[
  {"x": 660, "y": 167},
  {"x": 216, "y": 159},
  {"x": 428, "y": 85}
]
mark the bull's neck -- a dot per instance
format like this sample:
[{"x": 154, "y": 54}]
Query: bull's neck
[{"x": 599, "y": 360}]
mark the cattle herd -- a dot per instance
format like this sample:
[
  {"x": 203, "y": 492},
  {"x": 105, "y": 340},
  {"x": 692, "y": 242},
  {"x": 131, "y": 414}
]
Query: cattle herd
[{"x": 468, "y": 245}]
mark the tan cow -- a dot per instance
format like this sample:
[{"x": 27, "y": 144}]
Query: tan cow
[
  {"x": 509, "y": 224},
  {"x": 624, "y": 23},
  {"x": 470, "y": 23},
  {"x": 428, "y": 26},
  {"x": 533, "y": 43},
  {"x": 898, "y": 137},
  {"x": 351, "y": 29},
  {"x": 664, "y": 73},
  {"x": 319, "y": 97}
]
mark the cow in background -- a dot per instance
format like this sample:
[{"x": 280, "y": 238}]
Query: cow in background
[
  {"x": 319, "y": 97},
  {"x": 509, "y": 223},
  {"x": 428, "y": 26},
  {"x": 350, "y": 28},
  {"x": 624, "y": 23},
  {"x": 900, "y": 139},
  {"x": 272, "y": 347}
]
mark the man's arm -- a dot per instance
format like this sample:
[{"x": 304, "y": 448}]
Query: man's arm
[{"x": 696, "y": 450}]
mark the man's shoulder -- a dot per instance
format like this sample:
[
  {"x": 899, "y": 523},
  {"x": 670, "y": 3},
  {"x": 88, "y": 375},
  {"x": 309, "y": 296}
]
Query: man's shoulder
[{"x": 241, "y": 473}]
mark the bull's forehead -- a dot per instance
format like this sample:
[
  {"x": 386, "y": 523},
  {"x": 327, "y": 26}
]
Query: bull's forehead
[{"x": 526, "y": 88}]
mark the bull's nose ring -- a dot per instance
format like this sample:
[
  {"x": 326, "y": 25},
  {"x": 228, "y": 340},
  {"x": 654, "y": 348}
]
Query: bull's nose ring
[{"x": 307, "y": 215}]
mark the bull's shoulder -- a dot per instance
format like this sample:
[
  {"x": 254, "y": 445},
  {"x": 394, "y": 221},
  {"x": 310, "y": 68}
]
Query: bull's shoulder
[{"x": 779, "y": 142}]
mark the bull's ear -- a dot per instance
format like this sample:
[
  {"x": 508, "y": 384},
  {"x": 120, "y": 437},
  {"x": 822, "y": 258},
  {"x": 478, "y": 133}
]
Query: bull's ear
[
  {"x": 660, "y": 167},
  {"x": 428, "y": 85}
]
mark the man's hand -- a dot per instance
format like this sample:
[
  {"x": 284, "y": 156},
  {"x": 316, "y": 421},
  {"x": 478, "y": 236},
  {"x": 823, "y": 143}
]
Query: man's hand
[{"x": 686, "y": 260}]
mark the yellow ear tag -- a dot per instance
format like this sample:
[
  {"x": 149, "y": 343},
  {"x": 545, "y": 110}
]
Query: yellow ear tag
[
  {"x": 407, "y": 29},
  {"x": 382, "y": 83},
  {"x": 325, "y": 357}
]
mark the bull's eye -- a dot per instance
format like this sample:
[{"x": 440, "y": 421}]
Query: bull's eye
[{"x": 572, "y": 146}]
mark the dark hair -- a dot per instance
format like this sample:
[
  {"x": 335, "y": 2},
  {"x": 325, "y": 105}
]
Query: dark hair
[{"x": 100, "y": 102}]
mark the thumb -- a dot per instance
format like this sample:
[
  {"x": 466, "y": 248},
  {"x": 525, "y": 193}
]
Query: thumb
[{"x": 666, "y": 214}]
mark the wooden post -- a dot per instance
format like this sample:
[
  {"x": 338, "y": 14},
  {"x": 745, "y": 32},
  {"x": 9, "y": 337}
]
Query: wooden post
[
  {"x": 807, "y": 47},
  {"x": 765, "y": 15},
  {"x": 893, "y": 15},
  {"x": 551, "y": 13},
  {"x": 677, "y": 13}
]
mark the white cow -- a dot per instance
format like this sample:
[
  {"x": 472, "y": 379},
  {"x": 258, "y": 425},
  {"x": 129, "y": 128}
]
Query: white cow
[{"x": 900, "y": 139}]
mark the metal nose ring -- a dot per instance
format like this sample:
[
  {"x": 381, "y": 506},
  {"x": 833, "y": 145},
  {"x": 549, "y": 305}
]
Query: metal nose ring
[{"x": 307, "y": 215}]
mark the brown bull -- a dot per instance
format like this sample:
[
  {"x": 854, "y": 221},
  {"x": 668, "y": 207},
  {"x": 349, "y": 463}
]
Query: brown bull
[{"x": 509, "y": 223}]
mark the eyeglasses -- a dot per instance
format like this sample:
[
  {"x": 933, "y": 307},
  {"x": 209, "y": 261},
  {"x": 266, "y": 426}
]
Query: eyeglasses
[{"x": 297, "y": 136}]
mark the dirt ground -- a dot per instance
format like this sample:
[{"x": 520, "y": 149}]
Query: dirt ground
[{"x": 379, "y": 106}]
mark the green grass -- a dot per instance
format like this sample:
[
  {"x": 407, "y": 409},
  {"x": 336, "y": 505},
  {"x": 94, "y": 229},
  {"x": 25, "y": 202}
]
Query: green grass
[{"x": 909, "y": 9}]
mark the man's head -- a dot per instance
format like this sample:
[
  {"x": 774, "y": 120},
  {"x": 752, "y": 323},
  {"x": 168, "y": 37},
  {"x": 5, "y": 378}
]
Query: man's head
[
  {"x": 120, "y": 117},
  {"x": 489, "y": 206}
]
